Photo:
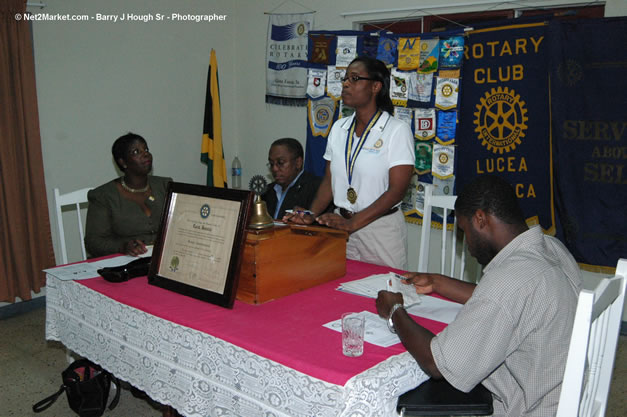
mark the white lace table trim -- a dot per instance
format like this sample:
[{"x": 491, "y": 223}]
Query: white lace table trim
[{"x": 201, "y": 375}]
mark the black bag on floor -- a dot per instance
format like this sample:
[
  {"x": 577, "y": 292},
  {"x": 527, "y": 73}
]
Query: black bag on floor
[{"x": 87, "y": 387}]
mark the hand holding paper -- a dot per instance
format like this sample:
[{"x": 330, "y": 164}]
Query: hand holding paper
[
  {"x": 430, "y": 307},
  {"x": 422, "y": 282},
  {"x": 395, "y": 284}
]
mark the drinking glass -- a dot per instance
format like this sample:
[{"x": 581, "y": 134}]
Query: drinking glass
[{"x": 353, "y": 325}]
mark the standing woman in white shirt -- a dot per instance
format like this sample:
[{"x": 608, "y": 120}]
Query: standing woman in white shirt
[{"x": 370, "y": 160}]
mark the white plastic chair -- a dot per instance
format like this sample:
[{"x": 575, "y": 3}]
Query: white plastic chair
[
  {"x": 592, "y": 348},
  {"x": 74, "y": 198},
  {"x": 447, "y": 203}
]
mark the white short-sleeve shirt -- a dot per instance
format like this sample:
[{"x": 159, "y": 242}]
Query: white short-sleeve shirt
[{"x": 389, "y": 143}]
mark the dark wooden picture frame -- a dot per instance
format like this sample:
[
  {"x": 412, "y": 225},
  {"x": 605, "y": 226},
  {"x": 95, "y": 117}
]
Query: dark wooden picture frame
[{"x": 193, "y": 220}]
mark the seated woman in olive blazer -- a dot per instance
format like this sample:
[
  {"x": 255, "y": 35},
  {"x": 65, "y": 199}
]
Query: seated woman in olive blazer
[{"x": 124, "y": 214}]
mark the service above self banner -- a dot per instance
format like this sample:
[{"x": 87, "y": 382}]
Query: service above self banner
[
  {"x": 589, "y": 97},
  {"x": 504, "y": 125}
]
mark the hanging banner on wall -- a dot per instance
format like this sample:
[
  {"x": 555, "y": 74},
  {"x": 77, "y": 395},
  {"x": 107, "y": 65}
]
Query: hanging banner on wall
[
  {"x": 504, "y": 122},
  {"x": 321, "y": 48},
  {"x": 321, "y": 114},
  {"x": 540, "y": 105},
  {"x": 412, "y": 92},
  {"x": 286, "y": 72},
  {"x": 588, "y": 86}
]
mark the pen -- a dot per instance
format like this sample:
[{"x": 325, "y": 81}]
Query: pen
[
  {"x": 300, "y": 211},
  {"x": 399, "y": 276}
]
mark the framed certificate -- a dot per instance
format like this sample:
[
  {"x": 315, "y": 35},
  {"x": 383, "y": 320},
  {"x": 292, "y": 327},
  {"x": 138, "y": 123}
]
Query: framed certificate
[{"x": 198, "y": 252}]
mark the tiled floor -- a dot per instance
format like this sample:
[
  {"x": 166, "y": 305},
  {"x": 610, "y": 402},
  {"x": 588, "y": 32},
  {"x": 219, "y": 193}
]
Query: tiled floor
[{"x": 30, "y": 369}]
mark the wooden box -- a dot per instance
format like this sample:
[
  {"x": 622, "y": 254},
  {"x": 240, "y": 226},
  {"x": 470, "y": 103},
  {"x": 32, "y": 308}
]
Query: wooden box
[{"x": 287, "y": 259}]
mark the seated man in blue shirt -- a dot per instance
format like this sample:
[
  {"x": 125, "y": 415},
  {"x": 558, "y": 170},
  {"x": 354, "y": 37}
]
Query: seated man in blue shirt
[{"x": 292, "y": 186}]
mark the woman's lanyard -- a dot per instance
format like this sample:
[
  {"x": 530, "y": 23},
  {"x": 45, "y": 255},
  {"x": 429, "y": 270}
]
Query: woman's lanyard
[{"x": 351, "y": 156}]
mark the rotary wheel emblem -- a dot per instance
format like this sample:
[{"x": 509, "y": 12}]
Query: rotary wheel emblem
[
  {"x": 570, "y": 72},
  {"x": 205, "y": 210},
  {"x": 258, "y": 184},
  {"x": 447, "y": 90},
  {"x": 500, "y": 120}
]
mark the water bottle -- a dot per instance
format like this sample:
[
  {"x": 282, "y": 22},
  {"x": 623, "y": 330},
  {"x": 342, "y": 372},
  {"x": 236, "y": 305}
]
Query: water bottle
[{"x": 236, "y": 173}]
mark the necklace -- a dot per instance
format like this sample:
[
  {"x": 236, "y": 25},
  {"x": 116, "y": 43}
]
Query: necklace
[
  {"x": 134, "y": 190},
  {"x": 353, "y": 149}
]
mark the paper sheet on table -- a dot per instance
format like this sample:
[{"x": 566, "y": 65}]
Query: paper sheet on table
[
  {"x": 122, "y": 259},
  {"x": 83, "y": 270},
  {"x": 375, "y": 332},
  {"x": 428, "y": 307},
  {"x": 436, "y": 309},
  {"x": 371, "y": 285},
  {"x": 87, "y": 270}
]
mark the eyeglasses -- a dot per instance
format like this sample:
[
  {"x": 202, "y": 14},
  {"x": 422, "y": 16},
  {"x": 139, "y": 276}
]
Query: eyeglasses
[
  {"x": 354, "y": 78},
  {"x": 279, "y": 164}
]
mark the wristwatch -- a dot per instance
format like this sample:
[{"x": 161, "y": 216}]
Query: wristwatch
[{"x": 392, "y": 311}]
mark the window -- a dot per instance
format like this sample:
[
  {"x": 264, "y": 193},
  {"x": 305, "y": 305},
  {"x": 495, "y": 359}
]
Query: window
[{"x": 438, "y": 23}]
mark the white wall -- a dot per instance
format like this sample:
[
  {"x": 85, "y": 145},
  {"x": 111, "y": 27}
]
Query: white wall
[{"x": 98, "y": 80}]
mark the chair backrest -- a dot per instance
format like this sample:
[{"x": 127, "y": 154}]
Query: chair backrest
[
  {"x": 592, "y": 348},
  {"x": 74, "y": 198},
  {"x": 449, "y": 238}
]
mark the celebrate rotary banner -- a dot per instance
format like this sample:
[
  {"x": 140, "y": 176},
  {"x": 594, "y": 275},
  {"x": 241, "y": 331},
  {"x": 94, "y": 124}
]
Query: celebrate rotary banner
[{"x": 286, "y": 55}]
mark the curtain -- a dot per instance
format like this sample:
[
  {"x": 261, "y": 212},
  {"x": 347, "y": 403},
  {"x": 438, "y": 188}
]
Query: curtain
[{"x": 25, "y": 240}]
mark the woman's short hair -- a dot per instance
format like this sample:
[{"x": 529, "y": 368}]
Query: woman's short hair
[
  {"x": 121, "y": 146},
  {"x": 293, "y": 146},
  {"x": 493, "y": 195},
  {"x": 376, "y": 69}
]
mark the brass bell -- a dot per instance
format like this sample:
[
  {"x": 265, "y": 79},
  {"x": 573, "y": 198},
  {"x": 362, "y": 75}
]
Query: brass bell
[{"x": 259, "y": 218}]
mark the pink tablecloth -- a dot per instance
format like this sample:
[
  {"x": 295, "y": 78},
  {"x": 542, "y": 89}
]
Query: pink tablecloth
[{"x": 288, "y": 330}]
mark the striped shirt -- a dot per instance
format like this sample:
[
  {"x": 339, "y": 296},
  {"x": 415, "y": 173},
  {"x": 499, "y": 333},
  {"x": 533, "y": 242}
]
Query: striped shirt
[{"x": 512, "y": 335}]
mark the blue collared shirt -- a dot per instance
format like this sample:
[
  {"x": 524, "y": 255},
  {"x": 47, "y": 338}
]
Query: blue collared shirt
[{"x": 280, "y": 194}]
